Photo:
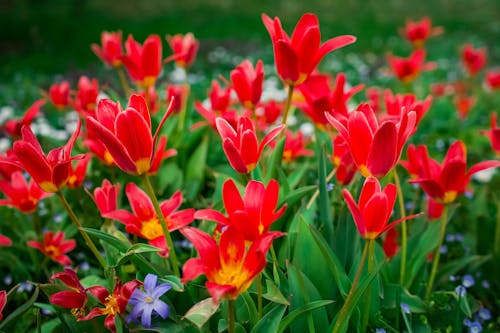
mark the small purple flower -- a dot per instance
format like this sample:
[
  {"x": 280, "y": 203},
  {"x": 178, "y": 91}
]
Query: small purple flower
[
  {"x": 484, "y": 314},
  {"x": 475, "y": 327},
  {"x": 467, "y": 281},
  {"x": 380, "y": 330},
  {"x": 485, "y": 284},
  {"x": 450, "y": 238},
  {"x": 405, "y": 308},
  {"x": 147, "y": 302},
  {"x": 443, "y": 249},
  {"x": 460, "y": 291}
]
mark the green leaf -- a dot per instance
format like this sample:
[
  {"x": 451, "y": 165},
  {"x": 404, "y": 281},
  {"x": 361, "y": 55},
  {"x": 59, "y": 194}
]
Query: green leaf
[
  {"x": 325, "y": 208},
  {"x": 136, "y": 249},
  {"x": 111, "y": 240},
  {"x": 201, "y": 312},
  {"x": 274, "y": 294},
  {"x": 471, "y": 262},
  {"x": 332, "y": 262},
  {"x": 252, "y": 310},
  {"x": 275, "y": 160},
  {"x": 394, "y": 294},
  {"x": 271, "y": 321},
  {"x": 21, "y": 309},
  {"x": 195, "y": 170},
  {"x": 174, "y": 281},
  {"x": 300, "y": 311}
]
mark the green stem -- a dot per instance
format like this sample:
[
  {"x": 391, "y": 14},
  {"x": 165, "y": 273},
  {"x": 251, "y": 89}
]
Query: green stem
[
  {"x": 287, "y": 106},
  {"x": 230, "y": 316},
  {"x": 342, "y": 317},
  {"x": 78, "y": 226},
  {"x": 123, "y": 81},
  {"x": 437, "y": 253},
  {"x": 496, "y": 246},
  {"x": 258, "y": 280},
  {"x": 371, "y": 259},
  {"x": 183, "y": 112},
  {"x": 404, "y": 231},
  {"x": 161, "y": 218}
]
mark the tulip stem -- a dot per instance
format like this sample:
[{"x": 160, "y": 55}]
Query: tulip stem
[
  {"x": 230, "y": 316},
  {"x": 437, "y": 253},
  {"x": 161, "y": 218},
  {"x": 496, "y": 244},
  {"x": 123, "y": 81},
  {"x": 371, "y": 259},
  {"x": 342, "y": 317},
  {"x": 259, "y": 295},
  {"x": 287, "y": 106},
  {"x": 78, "y": 225},
  {"x": 404, "y": 231}
]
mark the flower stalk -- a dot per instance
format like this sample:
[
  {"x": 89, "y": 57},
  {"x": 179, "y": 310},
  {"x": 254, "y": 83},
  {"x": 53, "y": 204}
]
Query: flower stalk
[
  {"x": 230, "y": 316},
  {"x": 437, "y": 253},
  {"x": 404, "y": 231}
]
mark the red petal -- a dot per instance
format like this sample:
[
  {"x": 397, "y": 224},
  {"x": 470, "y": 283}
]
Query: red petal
[
  {"x": 212, "y": 215},
  {"x": 217, "y": 291},
  {"x": 140, "y": 202},
  {"x": 383, "y": 150},
  {"x": 192, "y": 268},
  {"x": 231, "y": 197},
  {"x": 287, "y": 62},
  {"x": 356, "y": 214},
  {"x": 135, "y": 135}
]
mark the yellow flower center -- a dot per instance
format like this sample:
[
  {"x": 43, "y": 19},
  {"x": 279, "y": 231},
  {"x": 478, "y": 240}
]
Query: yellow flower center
[
  {"x": 142, "y": 165},
  {"x": 108, "y": 159},
  {"x": 151, "y": 229},
  {"x": 149, "y": 81},
  {"x": 52, "y": 251},
  {"x": 287, "y": 156},
  {"x": 449, "y": 196},
  {"x": 48, "y": 187},
  {"x": 111, "y": 305},
  {"x": 363, "y": 170},
  {"x": 149, "y": 300}
]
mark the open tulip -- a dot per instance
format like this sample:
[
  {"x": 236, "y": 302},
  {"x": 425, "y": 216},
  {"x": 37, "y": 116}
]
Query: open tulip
[
  {"x": 55, "y": 246},
  {"x": 473, "y": 59},
  {"x": 13, "y": 126},
  {"x": 444, "y": 182},
  {"x": 86, "y": 96},
  {"x": 417, "y": 32},
  {"x": 143, "y": 62},
  {"x": 408, "y": 69},
  {"x": 296, "y": 57},
  {"x": 251, "y": 215},
  {"x": 241, "y": 146},
  {"x": 230, "y": 267},
  {"x": 74, "y": 299},
  {"x": 247, "y": 83},
  {"x": 394, "y": 104},
  {"x": 184, "y": 47},
  {"x": 59, "y": 95},
  {"x": 111, "y": 49},
  {"x": 374, "y": 147},
  {"x": 20, "y": 194}
]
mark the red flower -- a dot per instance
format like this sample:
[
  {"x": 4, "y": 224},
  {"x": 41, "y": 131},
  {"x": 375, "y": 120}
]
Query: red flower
[
  {"x": 408, "y": 69},
  {"x": 229, "y": 266},
  {"x": 418, "y": 163},
  {"x": 74, "y": 299},
  {"x": 247, "y": 83},
  {"x": 394, "y": 104},
  {"x": 494, "y": 134},
  {"x": 13, "y": 127},
  {"x": 241, "y": 146},
  {"x": 342, "y": 160},
  {"x": 50, "y": 171},
  {"x": 464, "y": 104},
  {"x": 111, "y": 50},
  {"x": 366, "y": 139},
  {"x": 143, "y": 63},
  {"x": 5, "y": 241},
  {"x": 86, "y": 96},
  {"x": 126, "y": 134},
  {"x": 184, "y": 48},
  {"x": 419, "y": 31},
  {"x": 252, "y": 215},
  {"x": 106, "y": 197},
  {"x": 295, "y": 146},
  {"x": 20, "y": 194},
  {"x": 55, "y": 247},
  {"x": 444, "y": 182},
  {"x": 320, "y": 98},
  {"x": 219, "y": 99},
  {"x": 179, "y": 93},
  {"x": 7, "y": 168},
  {"x": 152, "y": 98},
  {"x": 3, "y": 301},
  {"x": 59, "y": 95},
  {"x": 143, "y": 220},
  {"x": 492, "y": 79},
  {"x": 77, "y": 174},
  {"x": 390, "y": 244},
  {"x": 473, "y": 59},
  {"x": 371, "y": 214},
  {"x": 296, "y": 57},
  {"x": 114, "y": 304},
  {"x": 267, "y": 113}
]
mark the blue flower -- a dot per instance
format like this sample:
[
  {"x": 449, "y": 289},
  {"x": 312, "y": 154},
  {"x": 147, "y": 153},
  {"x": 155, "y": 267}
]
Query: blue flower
[
  {"x": 468, "y": 281},
  {"x": 148, "y": 301},
  {"x": 460, "y": 291},
  {"x": 484, "y": 314},
  {"x": 380, "y": 330},
  {"x": 405, "y": 308},
  {"x": 475, "y": 327}
]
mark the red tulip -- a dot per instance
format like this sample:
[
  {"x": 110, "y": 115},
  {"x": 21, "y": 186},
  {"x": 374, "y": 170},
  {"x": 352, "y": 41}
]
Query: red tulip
[
  {"x": 114, "y": 304},
  {"x": 143, "y": 63},
  {"x": 418, "y": 163},
  {"x": 219, "y": 99},
  {"x": 267, "y": 113},
  {"x": 184, "y": 48},
  {"x": 77, "y": 174},
  {"x": 371, "y": 214},
  {"x": 152, "y": 99},
  {"x": 473, "y": 59},
  {"x": 20, "y": 194},
  {"x": 241, "y": 146},
  {"x": 143, "y": 220},
  {"x": 408, "y": 69},
  {"x": 106, "y": 197},
  {"x": 394, "y": 104},
  {"x": 76, "y": 298},
  {"x": 444, "y": 182},
  {"x": 86, "y": 96},
  {"x": 252, "y": 215},
  {"x": 230, "y": 266},
  {"x": 179, "y": 94},
  {"x": 126, "y": 134},
  {"x": 13, "y": 127},
  {"x": 3, "y": 301},
  {"x": 295, "y": 146},
  {"x": 55, "y": 246},
  {"x": 247, "y": 83},
  {"x": 59, "y": 95},
  {"x": 50, "y": 171},
  {"x": 5, "y": 241},
  {"x": 342, "y": 160},
  {"x": 492, "y": 79},
  {"x": 419, "y": 31},
  {"x": 111, "y": 50},
  {"x": 374, "y": 147},
  {"x": 494, "y": 134},
  {"x": 321, "y": 98},
  {"x": 464, "y": 104},
  {"x": 296, "y": 57}
]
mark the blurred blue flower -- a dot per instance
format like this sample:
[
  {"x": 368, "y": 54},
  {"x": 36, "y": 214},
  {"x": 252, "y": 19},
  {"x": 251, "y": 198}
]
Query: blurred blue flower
[
  {"x": 485, "y": 284},
  {"x": 475, "y": 327},
  {"x": 405, "y": 308},
  {"x": 450, "y": 237},
  {"x": 380, "y": 330},
  {"x": 443, "y": 249},
  {"x": 146, "y": 303},
  {"x": 460, "y": 291},
  {"x": 467, "y": 281},
  {"x": 484, "y": 314}
]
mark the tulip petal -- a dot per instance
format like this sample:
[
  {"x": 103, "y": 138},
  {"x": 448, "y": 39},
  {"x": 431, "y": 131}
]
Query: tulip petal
[
  {"x": 231, "y": 197},
  {"x": 287, "y": 62},
  {"x": 356, "y": 213},
  {"x": 383, "y": 150},
  {"x": 211, "y": 215}
]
